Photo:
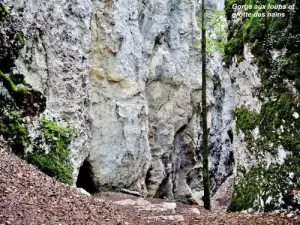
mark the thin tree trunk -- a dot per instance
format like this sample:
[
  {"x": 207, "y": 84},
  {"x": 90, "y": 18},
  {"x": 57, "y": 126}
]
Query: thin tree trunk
[{"x": 206, "y": 178}]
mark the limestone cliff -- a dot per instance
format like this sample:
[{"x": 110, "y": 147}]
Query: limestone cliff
[
  {"x": 118, "y": 84},
  {"x": 145, "y": 101},
  {"x": 125, "y": 76},
  {"x": 55, "y": 61}
]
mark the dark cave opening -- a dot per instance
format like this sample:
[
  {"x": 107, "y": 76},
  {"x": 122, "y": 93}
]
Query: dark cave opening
[
  {"x": 230, "y": 134},
  {"x": 85, "y": 178}
]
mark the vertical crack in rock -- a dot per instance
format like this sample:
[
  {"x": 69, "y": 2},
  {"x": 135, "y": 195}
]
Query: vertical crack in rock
[{"x": 46, "y": 84}]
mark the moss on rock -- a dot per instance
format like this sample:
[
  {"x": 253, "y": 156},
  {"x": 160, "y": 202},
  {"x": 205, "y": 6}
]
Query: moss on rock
[
  {"x": 267, "y": 187},
  {"x": 14, "y": 132},
  {"x": 263, "y": 188},
  {"x": 50, "y": 151},
  {"x": 246, "y": 120}
]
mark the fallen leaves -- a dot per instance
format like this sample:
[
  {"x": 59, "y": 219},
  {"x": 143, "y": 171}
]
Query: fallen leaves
[{"x": 28, "y": 196}]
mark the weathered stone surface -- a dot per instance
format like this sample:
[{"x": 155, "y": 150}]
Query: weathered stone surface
[
  {"x": 82, "y": 191},
  {"x": 178, "y": 218},
  {"x": 245, "y": 79},
  {"x": 126, "y": 75},
  {"x": 55, "y": 61},
  {"x": 144, "y": 205},
  {"x": 146, "y": 93},
  {"x": 194, "y": 211}
]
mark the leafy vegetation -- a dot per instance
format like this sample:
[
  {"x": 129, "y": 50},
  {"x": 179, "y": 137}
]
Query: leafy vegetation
[
  {"x": 261, "y": 188},
  {"x": 216, "y": 34},
  {"x": 4, "y": 12},
  {"x": 267, "y": 187}
]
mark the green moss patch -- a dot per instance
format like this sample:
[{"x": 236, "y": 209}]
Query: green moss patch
[
  {"x": 13, "y": 131},
  {"x": 263, "y": 187},
  {"x": 50, "y": 151},
  {"x": 4, "y": 12},
  {"x": 246, "y": 120}
]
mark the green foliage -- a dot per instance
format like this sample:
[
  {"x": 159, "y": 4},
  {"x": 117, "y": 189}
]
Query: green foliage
[
  {"x": 20, "y": 39},
  {"x": 254, "y": 29},
  {"x": 54, "y": 157},
  {"x": 11, "y": 87},
  {"x": 4, "y": 12},
  {"x": 11, "y": 124},
  {"x": 246, "y": 120},
  {"x": 262, "y": 188},
  {"x": 8, "y": 83},
  {"x": 277, "y": 116},
  {"x": 234, "y": 46},
  {"x": 215, "y": 35},
  {"x": 13, "y": 131},
  {"x": 228, "y": 7},
  {"x": 278, "y": 127},
  {"x": 18, "y": 92}
]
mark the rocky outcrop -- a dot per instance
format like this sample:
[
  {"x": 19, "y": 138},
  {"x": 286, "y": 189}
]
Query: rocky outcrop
[
  {"x": 144, "y": 83},
  {"x": 125, "y": 75},
  {"x": 55, "y": 62},
  {"x": 120, "y": 80},
  {"x": 146, "y": 93}
]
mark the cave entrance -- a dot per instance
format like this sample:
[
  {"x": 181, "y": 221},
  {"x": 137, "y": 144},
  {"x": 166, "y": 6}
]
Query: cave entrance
[{"x": 85, "y": 178}]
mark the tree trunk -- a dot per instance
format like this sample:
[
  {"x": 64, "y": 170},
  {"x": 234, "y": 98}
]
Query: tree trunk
[{"x": 206, "y": 178}]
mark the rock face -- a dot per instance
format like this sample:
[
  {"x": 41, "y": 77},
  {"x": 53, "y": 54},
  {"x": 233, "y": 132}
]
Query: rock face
[
  {"x": 146, "y": 93},
  {"x": 246, "y": 80},
  {"x": 145, "y": 80},
  {"x": 125, "y": 75},
  {"x": 55, "y": 61}
]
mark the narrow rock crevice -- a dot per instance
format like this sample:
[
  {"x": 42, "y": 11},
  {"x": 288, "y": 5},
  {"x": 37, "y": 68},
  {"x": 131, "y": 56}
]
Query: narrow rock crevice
[
  {"x": 230, "y": 134},
  {"x": 85, "y": 177}
]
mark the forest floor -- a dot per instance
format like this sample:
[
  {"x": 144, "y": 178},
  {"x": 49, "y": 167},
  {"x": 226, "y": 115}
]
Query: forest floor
[{"x": 29, "y": 197}]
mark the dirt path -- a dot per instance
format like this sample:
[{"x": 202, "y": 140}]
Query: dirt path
[{"x": 27, "y": 196}]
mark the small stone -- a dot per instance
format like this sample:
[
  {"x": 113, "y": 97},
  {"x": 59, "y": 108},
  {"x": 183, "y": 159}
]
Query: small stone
[
  {"x": 178, "y": 218},
  {"x": 82, "y": 191},
  {"x": 142, "y": 202},
  {"x": 195, "y": 211},
  {"x": 169, "y": 206},
  {"x": 126, "y": 202},
  {"x": 130, "y": 192}
]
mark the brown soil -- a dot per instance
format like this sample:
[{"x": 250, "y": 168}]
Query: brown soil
[{"x": 27, "y": 196}]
